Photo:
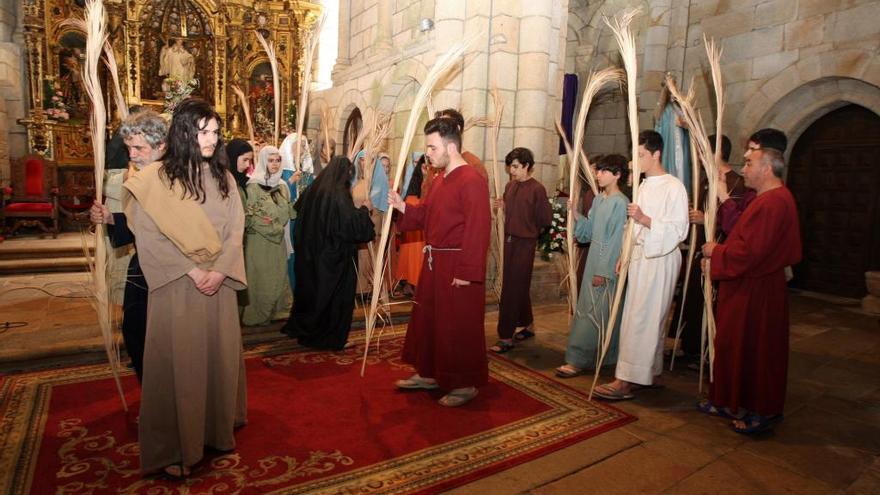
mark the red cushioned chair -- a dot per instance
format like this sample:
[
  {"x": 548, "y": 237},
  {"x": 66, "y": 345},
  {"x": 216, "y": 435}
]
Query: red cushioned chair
[{"x": 34, "y": 200}]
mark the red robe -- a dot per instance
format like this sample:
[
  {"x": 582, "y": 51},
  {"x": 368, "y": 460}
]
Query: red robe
[
  {"x": 751, "y": 342},
  {"x": 445, "y": 339}
]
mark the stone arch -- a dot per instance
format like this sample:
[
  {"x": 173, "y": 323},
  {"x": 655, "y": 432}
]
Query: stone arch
[
  {"x": 799, "y": 109},
  {"x": 803, "y": 92},
  {"x": 350, "y": 100}
]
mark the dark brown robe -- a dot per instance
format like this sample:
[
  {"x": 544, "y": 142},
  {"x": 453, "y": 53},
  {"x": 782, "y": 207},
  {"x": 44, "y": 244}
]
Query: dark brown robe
[{"x": 527, "y": 212}]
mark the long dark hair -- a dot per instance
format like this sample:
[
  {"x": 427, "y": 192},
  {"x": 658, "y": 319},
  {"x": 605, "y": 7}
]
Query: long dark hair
[
  {"x": 333, "y": 181},
  {"x": 183, "y": 158}
]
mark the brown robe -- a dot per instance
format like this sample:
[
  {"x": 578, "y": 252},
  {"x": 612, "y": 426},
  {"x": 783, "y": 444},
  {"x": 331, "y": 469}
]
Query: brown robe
[
  {"x": 194, "y": 390},
  {"x": 527, "y": 212}
]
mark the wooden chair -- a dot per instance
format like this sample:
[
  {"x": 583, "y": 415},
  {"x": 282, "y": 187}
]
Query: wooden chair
[{"x": 34, "y": 200}]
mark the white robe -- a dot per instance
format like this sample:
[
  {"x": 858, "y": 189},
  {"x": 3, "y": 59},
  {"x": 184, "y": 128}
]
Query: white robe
[{"x": 653, "y": 270}]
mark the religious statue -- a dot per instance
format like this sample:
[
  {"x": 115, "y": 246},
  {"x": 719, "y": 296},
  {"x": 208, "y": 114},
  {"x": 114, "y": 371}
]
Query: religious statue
[
  {"x": 71, "y": 81},
  {"x": 175, "y": 62}
]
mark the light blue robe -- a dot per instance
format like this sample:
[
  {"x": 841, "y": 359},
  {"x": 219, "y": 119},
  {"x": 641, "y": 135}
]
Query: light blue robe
[{"x": 603, "y": 228}]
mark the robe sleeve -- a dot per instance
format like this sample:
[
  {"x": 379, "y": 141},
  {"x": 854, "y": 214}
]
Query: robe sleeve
[
  {"x": 543, "y": 210},
  {"x": 413, "y": 218},
  {"x": 730, "y": 210},
  {"x": 355, "y": 225},
  {"x": 583, "y": 227},
  {"x": 609, "y": 252},
  {"x": 119, "y": 233},
  {"x": 754, "y": 240},
  {"x": 475, "y": 239},
  {"x": 231, "y": 259},
  {"x": 670, "y": 227}
]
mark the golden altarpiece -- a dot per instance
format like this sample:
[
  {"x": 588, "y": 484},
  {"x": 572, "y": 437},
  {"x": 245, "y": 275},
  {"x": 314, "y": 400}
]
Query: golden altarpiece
[{"x": 211, "y": 43}]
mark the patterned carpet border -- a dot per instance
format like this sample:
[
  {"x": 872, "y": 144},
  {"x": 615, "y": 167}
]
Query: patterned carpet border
[{"x": 24, "y": 400}]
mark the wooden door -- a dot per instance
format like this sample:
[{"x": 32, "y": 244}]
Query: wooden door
[{"x": 834, "y": 175}]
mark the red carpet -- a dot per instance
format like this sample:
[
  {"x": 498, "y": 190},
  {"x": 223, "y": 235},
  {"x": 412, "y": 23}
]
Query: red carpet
[{"x": 314, "y": 426}]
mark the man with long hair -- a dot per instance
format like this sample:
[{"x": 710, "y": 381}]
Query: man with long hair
[
  {"x": 188, "y": 223},
  {"x": 445, "y": 340}
]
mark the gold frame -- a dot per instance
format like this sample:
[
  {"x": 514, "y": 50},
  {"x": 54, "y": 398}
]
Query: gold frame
[{"x": 236, "y": 52}]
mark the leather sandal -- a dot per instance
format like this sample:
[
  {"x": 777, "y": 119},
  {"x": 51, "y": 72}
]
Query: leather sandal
[
  {"x": 416, "y": 382},
  {"x": 458, "y": 397}
]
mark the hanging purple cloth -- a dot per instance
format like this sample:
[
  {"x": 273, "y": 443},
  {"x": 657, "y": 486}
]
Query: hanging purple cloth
[{"x": 569, "y": 98}]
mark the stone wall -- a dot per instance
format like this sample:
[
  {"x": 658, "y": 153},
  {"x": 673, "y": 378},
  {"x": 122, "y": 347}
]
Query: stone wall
[
  {"x": 520, "y": 51},
  {"x": 12, "y": 99},
  {"x": 785, "y": 62}
]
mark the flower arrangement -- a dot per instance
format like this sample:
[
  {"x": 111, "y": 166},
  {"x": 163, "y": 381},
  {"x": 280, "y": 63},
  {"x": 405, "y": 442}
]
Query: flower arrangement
[
  {"x": 553, "y": 238},
  {"x": 55, "y": 107},
  {"x": 176, "y": 91}
]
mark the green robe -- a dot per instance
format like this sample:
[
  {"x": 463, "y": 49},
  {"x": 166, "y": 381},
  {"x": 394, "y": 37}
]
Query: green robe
[
  {"x": 603, "y": 229},
  {"x": 268, "y": 292}
]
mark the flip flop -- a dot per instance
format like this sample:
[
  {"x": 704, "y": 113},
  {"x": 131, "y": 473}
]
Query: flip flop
[
  {"x": 502, "y": 347},
  {"x": 523, "y": 334},
  {"x": 612, "y": 394},
  {"x": 456, "y": 399},
  {"x": 755, "y": 423},
  {"x": 706, "y": 407},
  {"x": 416, "y": 382},
  {"x": 569, "y": 371}
]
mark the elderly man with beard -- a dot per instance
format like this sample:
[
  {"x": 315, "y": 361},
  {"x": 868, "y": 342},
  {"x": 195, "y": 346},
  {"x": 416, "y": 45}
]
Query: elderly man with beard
[{"x": 144, "y": 135}]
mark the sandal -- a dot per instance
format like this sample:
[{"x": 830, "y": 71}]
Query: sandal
[
  {"x": 613, "y": 394},
  {"x": 755, "y": 423},
  {"x": 569, "y": 371},
  {"x": 524, "y": 334},
  {"x": 458, "y": 397},
  {"x": 416, "y": 382},
  {"x": 502, "y": 346},
  {"x": 175, "y": 472},
  {"x": 706, "y": 407}
]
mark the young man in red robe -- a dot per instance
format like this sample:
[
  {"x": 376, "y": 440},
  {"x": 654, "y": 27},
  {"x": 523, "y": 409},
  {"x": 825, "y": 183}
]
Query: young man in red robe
[
  {"x": 445, "y": 340},
  {"x": 751, "y": 341}
]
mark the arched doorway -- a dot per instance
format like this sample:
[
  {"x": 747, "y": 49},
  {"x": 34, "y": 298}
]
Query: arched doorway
[
  {"x": 834, "y": 175},
  {"x": 352, "y": 129}
]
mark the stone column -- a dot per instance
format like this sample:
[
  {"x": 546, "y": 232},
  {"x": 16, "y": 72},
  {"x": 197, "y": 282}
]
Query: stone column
[
  {"x": 342, "y": 59},
  {"x": 383, "y": 27}
]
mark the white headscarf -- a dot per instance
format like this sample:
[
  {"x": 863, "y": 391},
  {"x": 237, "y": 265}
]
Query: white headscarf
[
  {"x": 288, "y": 149},
  {"x": 261, "y": 173}
]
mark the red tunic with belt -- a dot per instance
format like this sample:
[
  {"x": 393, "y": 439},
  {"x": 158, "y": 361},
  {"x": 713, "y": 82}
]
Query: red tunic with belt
[
  {"x": 445, "y": 339},
  {"x": 751, "y": 342}
]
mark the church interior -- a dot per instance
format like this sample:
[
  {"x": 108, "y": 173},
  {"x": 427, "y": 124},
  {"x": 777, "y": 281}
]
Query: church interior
[{"x": 331, "y": 422}]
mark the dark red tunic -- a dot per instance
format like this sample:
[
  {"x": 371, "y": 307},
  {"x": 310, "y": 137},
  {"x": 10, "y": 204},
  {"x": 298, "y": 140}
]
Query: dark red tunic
[
  {"x": 751, "y": 343},
  {"x": 445, "y": 339}
]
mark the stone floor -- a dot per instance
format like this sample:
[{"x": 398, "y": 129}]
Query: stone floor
[{"x": 829, "y": 442}]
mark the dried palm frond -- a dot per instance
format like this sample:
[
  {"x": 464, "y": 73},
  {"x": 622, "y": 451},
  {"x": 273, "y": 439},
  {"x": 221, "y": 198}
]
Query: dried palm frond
[
  {"x": 327, "y": 116},
  {"x": 497, "y": 217},
  {"x": 692, "y": 242},
  {"x": 269, "y": 48},
  {"x": 96, "y": 38},
  {"x": 441, "y": 65},
  {"x": 311, "y": 45},
  {"x": 710, "y": 161},
  {"x": 627, "y": 44},
  {"x": 595, "y": 82},
  {"x": 378, "y": 132},
  {"x": 246, "y": 108}
]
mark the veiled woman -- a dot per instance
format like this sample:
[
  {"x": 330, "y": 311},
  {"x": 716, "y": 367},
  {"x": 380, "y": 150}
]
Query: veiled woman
[
  {"x": 267, "y": 222},
  {"x": 328, "y": 230}
]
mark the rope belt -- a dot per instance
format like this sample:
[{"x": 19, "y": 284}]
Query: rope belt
[{"x": 430, "y": 249}]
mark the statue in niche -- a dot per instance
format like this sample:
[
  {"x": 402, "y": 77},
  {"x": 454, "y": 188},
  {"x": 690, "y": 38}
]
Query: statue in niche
[{"x": 177, "y": 63}]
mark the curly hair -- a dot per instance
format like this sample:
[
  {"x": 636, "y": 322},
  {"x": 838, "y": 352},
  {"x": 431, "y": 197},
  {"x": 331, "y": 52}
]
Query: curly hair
[
  {"x": 146, "y": 123},
  {"x": 183, "y": 158}
]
